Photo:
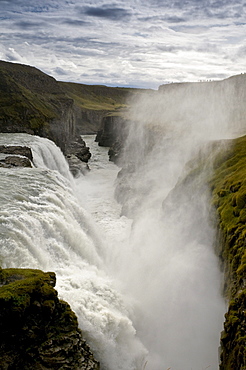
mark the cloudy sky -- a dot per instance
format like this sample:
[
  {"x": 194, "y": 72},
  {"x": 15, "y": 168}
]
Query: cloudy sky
[{"x": 126, "y": 43}]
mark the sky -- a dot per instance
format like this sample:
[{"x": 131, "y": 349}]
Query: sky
[{"x": 126, "y": 43}]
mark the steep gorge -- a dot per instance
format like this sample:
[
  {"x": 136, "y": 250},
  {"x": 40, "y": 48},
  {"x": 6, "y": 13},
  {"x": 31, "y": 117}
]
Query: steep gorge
[
  {"x": 210, "y": 119},
  {"x": 35, "y": 103}
]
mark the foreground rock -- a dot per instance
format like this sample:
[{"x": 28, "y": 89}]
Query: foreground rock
[{"x": 38, "y": 331}]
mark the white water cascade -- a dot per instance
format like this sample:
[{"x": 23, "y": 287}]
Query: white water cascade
[{"x": 146, "y": 293}]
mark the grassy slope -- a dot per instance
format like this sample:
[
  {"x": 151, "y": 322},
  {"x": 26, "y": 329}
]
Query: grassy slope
[
  {"x": 30, "y": 99},
  {"x": 26, "y": 96},
  {"x": 96, "y": 97},
  {"x": 229, "y": 197}
]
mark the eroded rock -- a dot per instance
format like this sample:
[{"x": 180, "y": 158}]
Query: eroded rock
[{"x": 38, "y": 331}]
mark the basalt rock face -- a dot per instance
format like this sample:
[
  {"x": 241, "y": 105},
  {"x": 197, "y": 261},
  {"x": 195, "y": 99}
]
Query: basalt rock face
[
  {"x": 34, "y": 103},
  {"x": 113, "y": 133},
  {"x": 38, "y": 331}
]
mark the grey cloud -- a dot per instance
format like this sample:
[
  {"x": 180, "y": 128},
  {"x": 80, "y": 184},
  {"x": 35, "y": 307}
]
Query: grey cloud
[
  {"x": 195, "y": 29},
  {"x": 111, "y": 13},
  {"x": 60, "y": 71},
  {"x": 25, "y": 25},
  {"x": 75, "y": 22},
  {"x": 168, "y": 48},
  {"x": 175, "y": 19},
  {"x": 188, "y": 9},
  {"x": 28, "y": 6}
]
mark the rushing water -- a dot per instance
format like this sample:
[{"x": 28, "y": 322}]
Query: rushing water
[{"x": 132, "y": 293}]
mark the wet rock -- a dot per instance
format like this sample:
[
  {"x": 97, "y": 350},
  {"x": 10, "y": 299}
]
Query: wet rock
[
  {"x": 79, "y": 149},
  {"x": 20, "y": 156},
  {"x": 38, "y": 331},
  {"x": 17, "y": 150},
  {"x": 112, "y": 134},
  {"x": 15, "y": 161},
  {"x": 76, "y": 166},
  {"x": 78, "y": 154}
]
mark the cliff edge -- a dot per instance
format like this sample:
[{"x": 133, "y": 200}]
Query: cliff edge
[
  {"x": 38, "y": 331},
  {"x": 229, "y": 198}
]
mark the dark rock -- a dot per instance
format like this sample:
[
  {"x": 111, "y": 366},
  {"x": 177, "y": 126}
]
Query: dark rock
[
  {"x": 113, "y": 134},
  {"x": 111, "y": 129},
  {"x": 79, "y": 149},
  {"x": 15, "y": 161},
  {"x": 17, "y": 150},
  {"x": 115, "y": 151},
  {"x": 76, "y": 166},
  {"x": 38, "y": 331},
  {"x": 78, "y": 154},
  {"x": 21, "y": 156}
]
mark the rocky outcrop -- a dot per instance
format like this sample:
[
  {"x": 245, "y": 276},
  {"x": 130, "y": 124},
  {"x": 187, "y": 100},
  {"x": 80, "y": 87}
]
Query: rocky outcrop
[
  {"x": 15, "y": 161},
  {"x": 78, "y": 155},
  {"x": 17, "y": 150},
  {"x": 113, "y": 133},
  {"x": 21, "y": 156},
  {"x": 38, "y": 331},
  {"x": 112, "y": 129},
  {"x": 34, "y": 103}
]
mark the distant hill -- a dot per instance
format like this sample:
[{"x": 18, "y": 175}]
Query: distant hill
[{"x": 33, "y": 102}]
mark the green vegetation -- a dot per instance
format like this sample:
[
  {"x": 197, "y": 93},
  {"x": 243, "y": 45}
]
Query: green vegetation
[
  {"x": 20, "y": 106},
  {"x": 94, "y": 97},
  {"x": 18, "y": 286},
  {"x": 33, "y": 102},
  {"x": 38, "y": 331},
  {"x": 229, "y": 198}
]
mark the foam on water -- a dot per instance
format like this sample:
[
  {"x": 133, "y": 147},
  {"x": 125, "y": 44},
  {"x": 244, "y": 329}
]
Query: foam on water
[{"x": 42, "y": 225}]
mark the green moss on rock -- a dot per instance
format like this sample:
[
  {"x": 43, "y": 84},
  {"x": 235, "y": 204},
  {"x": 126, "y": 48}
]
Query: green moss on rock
[
  {"x": 38, "y": 331},
  {"x": 229, "y": 198}
]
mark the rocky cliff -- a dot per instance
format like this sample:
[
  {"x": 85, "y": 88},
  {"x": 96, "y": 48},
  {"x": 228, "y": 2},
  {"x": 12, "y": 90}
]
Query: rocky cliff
[
  {"x": 38, "y": 331},
  {"x": 229, "y": 198},
  {"x": 221, "y": 104},
  {"x": 35, "y": 103},
  {"x": 32, "y": 102},
  {"x": 113, "y": 132},
  {"x": 226, "y": 179}
]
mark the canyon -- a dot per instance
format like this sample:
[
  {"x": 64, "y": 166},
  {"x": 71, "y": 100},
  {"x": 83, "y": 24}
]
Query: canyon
[{"x": 135, "y": 125}]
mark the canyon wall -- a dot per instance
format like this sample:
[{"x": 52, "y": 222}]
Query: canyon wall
[
  {"x": 35, "y": 103},
  {"x": 218, "y": 109}
]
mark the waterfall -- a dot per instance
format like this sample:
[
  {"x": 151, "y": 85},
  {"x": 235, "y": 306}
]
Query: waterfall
[
  {"x": 43, "y": 225},
  {"x": 145, "y": 290}
]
